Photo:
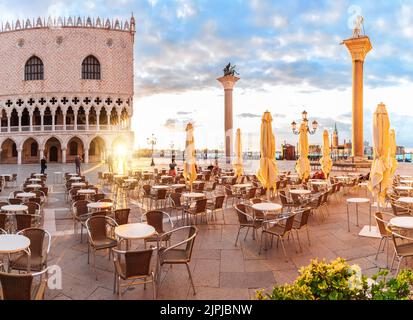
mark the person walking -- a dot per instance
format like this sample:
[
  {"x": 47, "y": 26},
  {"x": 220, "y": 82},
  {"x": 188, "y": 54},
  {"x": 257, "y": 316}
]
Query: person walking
[
  {"x": 43, "y": 165},
  {"x": 77, "y": 163}
]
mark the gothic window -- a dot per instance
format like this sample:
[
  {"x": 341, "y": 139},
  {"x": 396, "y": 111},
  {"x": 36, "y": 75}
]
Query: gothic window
[
  {"x": 91, "y": 68},
  {"x": 34, "y": 69},
  {"x": 33, "y": 149},
  {"x": 14, "y": 150},
  {"x": 73, "y": 148}
]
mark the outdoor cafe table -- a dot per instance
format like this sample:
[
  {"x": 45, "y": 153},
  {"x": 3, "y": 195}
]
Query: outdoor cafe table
[
  {"x": 267, "y": 207},
  {"x": 13, "y": 243},
  {"x": 193, "y": 195},
  {"x": 86, "y": 192},
  {"x": 406, "y": 177},
  {"x": 34, "y": 186},
  {"x": 39, "y": 174},
  {"x": 404, "y": 188},
  {"x": 178, "y": 185},
  {"x": 160, "y": 187},
  {"x": 14, "y": 208},
  {"x": 25, "y": 195},
  {"x": 5, "y": 175},
  {"x": 78, "y": 184},
  {"x": 73, "y": 174},
  {"x": 301, "y": 192},
  {"x": 402, "y": 222},
  {"x": 35, "y": 180},
  {"x": 407, "y": 200},
  {"x": 100, "y": 205},
  {"x": 406, "y": 181},
  {"x": 131, "y": 180},
  {"x": 134, "y": 231},
  {"x": 75, "y": 178},
  {"x": 242, "y": 185}
]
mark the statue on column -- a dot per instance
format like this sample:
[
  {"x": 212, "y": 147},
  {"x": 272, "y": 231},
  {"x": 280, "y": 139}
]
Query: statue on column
[
  {"x": 230, "y": 70},
  {"x": 358, "y": 24}
]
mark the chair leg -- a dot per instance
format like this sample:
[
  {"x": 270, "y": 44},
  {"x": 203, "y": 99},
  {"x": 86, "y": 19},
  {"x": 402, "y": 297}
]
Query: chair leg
[
  {"x": 119, "y": 289},
  {"x": 236, "y": 240},
  {"x": 308, "y": 235},
  {"x": 282, "y": 245},
  {"x": 153, "y": 286},
  {"x": 398, "y": 265},
  {"x": 114, "y": 283},
  {"x": 378, "y": 249},
  {"x": 262, "y": 234},
  {"x": 94, "y": 263},
  {"x": 298, "y": 239},
  {"x": 190, "y": 277},
  {"x": 248, "y": 229}
]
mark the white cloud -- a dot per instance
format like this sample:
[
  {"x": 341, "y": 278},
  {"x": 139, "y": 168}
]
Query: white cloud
[
  {"x": 185, "y": 9},
  {"x": 406, "y": 20}
]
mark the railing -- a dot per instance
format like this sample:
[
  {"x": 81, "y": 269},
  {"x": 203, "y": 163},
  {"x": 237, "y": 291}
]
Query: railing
[{"x": 69, "y": 127}]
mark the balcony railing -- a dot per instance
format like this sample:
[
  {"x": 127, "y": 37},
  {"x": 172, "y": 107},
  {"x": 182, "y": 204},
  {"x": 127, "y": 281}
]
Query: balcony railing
[{"x": 69, "y": 127}]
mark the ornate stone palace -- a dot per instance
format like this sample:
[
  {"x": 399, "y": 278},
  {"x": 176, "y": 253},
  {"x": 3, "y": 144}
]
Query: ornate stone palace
[{"x": 66, "y": 88}]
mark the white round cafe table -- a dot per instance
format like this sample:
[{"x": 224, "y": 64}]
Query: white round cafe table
[
  {"x": 408, "y": 200},
  {"x": 34, "y": 186},
  {"x": 100, "y": 205},
  {"x": 118, "y": 176},
  {"x": 86, "y": 191},
  {"x": 38, "y": 174},
  {"x": 12, "y": 243},
  {"x": 267, "y": 206},
  {"x": 25, "y": 195},
  {"x": 73, "y": 174},
  {"x": 404, "y": 188},
  {"x": 406, "y": 181},
  {"x": 14, "y": 208},
  {"x": 5, "y": 175},
  {"x": 130, "y": 180},
  {"x": 319, "y": 183},
  {"x": 300, "y": 191},
  {"x": 406, "y": 177},
  {"x": 357, "y": 202},
  {"x": 293, "y": 176},
  {"x": 197, "y": 182},
  {"x": 159, "y": 187},
  {"x": 402, "y": 222},
  {"x": 35, "y": 180},
  {"x": 178, "y": 185},
  {"x": 242, "y": 185},
  {"x": 227, "y": 177},
  {"x": 134, "y": 231},
  {"x": 193, "y": 195},
  {"x": 75, "y": 178},
  {"x": 166, "y": 177},
  {"x": 78, "y": 184}
]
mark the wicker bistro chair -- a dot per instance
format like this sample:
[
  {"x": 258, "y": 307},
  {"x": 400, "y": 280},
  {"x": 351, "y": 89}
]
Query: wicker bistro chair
[
  {"x": 159, "y": 196},
  {"x": 100, "y": 231},
  {"x": 301, "y": 222},
  {"x": 15, "y": 201},
  {"x": 176, "y": 204},
  {"x": 135, "y": 267},
  {"x": 403, "y": 248},
  {"x": 198, "y": 209},
  {"x": 175, "y": 254},
  {"x": 25, "y": 220},
  {"x": 246, "y": 221},
  {"x": 155, "y": 219},
  {"x": 80, "y": 213},
  {"x": 3, "y": 221},
  {"x": 281, "y": 229},
  {"x": 216, "y": 205},
  {"x": 122, "y": 216},
  {"x": 38, "y": 252},
  {"x": 385, "y": 234},
  {"x": 22, "y": 286}
]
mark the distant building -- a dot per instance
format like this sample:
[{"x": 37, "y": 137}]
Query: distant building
[
  {"x": 288, "y": 152},
  {"x": 339, "y": 151}
]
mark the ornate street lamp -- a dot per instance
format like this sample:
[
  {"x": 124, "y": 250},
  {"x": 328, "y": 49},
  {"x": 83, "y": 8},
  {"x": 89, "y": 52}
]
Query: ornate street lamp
[
  {"x": 152, "y": 141},
  {"x": 314, "y": 125}
]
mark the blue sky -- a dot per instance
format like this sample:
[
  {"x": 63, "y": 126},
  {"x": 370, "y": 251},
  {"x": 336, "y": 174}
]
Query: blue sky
[{"x": 287, "y": 53}]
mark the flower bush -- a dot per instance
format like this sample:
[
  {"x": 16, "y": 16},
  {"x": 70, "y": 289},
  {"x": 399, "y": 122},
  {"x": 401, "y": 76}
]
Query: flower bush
[{"x": 338, "y": 280}]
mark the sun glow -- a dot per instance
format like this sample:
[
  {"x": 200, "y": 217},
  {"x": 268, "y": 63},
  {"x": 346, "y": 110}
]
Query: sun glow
[{"x": 120, "y": 155}]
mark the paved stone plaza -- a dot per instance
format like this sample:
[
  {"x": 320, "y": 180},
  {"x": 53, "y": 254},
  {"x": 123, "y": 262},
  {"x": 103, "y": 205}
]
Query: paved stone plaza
[{"x": 220, "y": 270}]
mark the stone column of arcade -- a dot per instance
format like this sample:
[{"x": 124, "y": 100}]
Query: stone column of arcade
[
  {"x": 228, "y": 83},
  {"x": 358, "y": 48}
]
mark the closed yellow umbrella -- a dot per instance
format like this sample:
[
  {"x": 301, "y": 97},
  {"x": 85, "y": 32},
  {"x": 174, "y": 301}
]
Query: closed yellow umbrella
[
  {"x": 268, "y": 171},
  {"x": 325, "y": 161},
  {"x": 238, "y": 155},
  {"x": 303, "y": 164},
  {"x": 393, "y": 151},
  {"x": 190, "y": 161},
  {"x": 380, "y": 168}
]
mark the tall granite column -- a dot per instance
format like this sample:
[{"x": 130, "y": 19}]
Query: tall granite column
[
  {"x": 358, "y": 48},
  {"x": 228, "y": 83}
]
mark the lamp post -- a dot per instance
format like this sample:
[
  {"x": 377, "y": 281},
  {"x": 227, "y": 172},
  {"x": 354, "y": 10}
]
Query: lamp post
[
  {"x": 152, "y": 141},
  {"x": 311, "y": 131},
  {"x": 172, "y": 151}
]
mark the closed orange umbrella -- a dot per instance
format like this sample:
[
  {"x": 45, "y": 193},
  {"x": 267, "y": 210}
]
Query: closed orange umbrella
[
  {"x": 190, "y": 173},
  {"x": 325, "y": 161},
  {"x": 238, "y": 155},
  {"x": 268, "y": 171}
]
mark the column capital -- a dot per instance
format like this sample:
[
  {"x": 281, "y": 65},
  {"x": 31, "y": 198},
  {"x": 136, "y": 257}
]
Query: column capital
[
  {"x": 358, "y": 47},
  {"x": 228, "y": 82}
]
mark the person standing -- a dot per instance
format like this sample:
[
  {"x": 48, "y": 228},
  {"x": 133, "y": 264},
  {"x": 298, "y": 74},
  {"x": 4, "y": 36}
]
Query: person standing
[
  {"x": 77, "y": 163},
  {"x": 43, "y": 165}
]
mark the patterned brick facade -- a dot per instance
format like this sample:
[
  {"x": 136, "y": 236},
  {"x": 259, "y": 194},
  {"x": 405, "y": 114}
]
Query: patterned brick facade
[{"x": 64, "y": 105}]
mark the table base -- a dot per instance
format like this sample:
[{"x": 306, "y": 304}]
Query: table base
[{"x": 370, "y": 231}]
